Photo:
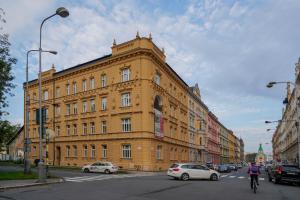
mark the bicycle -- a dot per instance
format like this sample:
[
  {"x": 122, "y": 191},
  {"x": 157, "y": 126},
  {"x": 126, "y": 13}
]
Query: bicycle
[{"x": 254, "y": 186}]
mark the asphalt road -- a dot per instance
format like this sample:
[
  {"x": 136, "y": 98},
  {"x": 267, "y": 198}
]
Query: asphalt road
[{"x": 149, "y": 186}]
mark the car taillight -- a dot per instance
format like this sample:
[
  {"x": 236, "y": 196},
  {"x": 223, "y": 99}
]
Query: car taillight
[
  {"x": 176, "y": 170},
  {"x": 279, "y": 170}
]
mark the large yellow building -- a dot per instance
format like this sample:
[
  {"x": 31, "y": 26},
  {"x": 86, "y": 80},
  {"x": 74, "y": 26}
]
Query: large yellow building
[
  {"x": 129, "y": 108},
  {"x": 231, "y": 141}
]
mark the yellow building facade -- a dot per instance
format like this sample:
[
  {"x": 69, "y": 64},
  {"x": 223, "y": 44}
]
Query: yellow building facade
[
  {"x": 231, "y": 146},
  {"x": 128, "y": 107}
]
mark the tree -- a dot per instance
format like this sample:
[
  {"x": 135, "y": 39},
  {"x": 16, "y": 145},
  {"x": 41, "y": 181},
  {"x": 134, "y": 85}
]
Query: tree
[
  {"x": 6, "y": 63},
  {"x": 250, "y": 157},
  {"x": 7, "y": 131}
]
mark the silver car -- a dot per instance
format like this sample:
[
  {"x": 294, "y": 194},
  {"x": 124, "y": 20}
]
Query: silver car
[
  {"x": 186, "y": 171},
  {"x": 105, "y": 167}
]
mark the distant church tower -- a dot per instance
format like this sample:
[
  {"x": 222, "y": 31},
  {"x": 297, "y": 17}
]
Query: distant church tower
[{"x": 261, "y": 157}]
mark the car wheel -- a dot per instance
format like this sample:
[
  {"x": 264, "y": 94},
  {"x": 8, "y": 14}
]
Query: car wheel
[
  {"x": 214, "y": 177},
  {"x": 106, "y": 171},
  {"x": 185, "y": 177},
  {"x": 86, "y": 170}
]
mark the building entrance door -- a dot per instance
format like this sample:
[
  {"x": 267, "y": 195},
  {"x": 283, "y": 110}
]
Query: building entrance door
[{"x": 58, "y": 155}]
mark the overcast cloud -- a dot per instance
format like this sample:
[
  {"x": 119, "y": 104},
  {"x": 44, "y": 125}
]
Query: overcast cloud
[{"x": 231, "y": 48}]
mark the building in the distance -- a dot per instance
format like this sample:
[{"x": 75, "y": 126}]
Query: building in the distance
[
  {"x": 231, "y": 140},
  {"x": 242, "y": 150},
  {"x": 260, "y": 157},
  {"x": 213, "y": 142},
  {"x": 15, "y": 145},
  {"x": 224, "y": 144}
]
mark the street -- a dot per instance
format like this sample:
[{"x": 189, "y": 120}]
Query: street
[{"x": 158, "y": 186}]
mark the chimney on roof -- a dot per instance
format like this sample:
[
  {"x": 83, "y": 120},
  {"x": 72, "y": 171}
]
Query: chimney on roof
[{"x": 114, "y": 42}]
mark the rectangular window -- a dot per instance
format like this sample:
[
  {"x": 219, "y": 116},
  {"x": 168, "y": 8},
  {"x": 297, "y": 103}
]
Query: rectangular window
[
  {"x": 104, "y": 151},
  {"x": 68, "y": 89},
  {"x": 74, "y": 88},
  {"x": 92, "y": 128},
  {"x": 68, "y": 151},
  {"x": 85, "y": 151},
  {"x": 126, "y": 99},
  {"x": 57, "y": 130},
  {"x": 83, "y": 85},
  {"x": 74, "y": 129},
  {"x": 126, "y": 151},
  {"x": 45, "y": 95},
  {"x": 75, "y": 108},
  {"x": 75, "y": 151},
  {"x": 46, "y": 113},
  {"x": 57, "y": 110},
  {"x": 57, "y": 92},
  {"x": 103, "y": 80},
  {"x": 34, "y": 151},
  {"x": 159, "y": 152},
  {"x": 84, "y": 107},
  {"x": 126, "y": 125},
  {"x": 125, "y": 75},
  {"x": 157, "y": 79},
  {"x": 103, "y": 103},
  {"x": 93, "y": 151},
  {"x": 68, "y": 130},
  {"x": 93, "y": 106},
  {"x": 103, "y": 127},
  {"x": 92, "y": 83},
  {"x": 84, "y": 128},
  {"x": 68, "y": 109}
]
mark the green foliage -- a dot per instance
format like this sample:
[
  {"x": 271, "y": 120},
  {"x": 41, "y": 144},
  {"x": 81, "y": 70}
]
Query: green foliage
[
  {"x": 16, "y": 176},
  {"x": 6, "y": 63},
  {"x": 7, "y": 131},
  {"x": 250, "y": 157}
]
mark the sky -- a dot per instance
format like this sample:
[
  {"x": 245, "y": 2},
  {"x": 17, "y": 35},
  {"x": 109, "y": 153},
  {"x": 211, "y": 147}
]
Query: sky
[{"x": 232, "y": 49}]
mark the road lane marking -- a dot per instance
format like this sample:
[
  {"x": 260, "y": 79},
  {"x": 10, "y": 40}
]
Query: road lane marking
[
  {"x": 232, "y": 176},
  {"x": 241, "y": 177},
  {"x": 224, "y": 176},
  {"x": 261, "y": 179}
]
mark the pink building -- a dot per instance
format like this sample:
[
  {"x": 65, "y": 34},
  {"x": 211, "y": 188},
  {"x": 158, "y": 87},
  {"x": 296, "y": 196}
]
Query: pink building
[{"x": 213, "y": 143}]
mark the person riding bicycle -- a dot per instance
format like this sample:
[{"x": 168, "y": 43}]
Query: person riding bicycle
[{"x": 253, "y": 171}]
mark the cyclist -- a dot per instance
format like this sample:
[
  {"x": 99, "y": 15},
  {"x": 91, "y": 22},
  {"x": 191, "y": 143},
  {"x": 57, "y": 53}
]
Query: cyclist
[{"x": 253, "y": 171}]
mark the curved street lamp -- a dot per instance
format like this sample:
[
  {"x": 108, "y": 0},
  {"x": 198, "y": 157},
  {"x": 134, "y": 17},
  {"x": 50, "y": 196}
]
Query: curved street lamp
[{"x": 63, "y": 12}]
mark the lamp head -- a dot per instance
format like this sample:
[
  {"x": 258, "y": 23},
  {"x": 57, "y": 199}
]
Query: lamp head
[
  {"x": 270, "y": 84},
  {"x": 267, "y": 122},
  {"x": 53, "y": 52},
  {"x": 63, "y": 12}
]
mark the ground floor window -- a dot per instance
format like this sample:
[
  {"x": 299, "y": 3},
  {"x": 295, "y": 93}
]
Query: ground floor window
[
  {"x": 68, "y": 151},
  {"x": 85, "y": 151},
  {"x": 104, "y": 151},
  {"x": 126, "y": 151},
  {"x": 93, "y": 151},
  {"x": 159, "y": 152}
]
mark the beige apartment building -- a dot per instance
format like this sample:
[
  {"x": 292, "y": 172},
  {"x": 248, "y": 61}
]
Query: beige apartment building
[{"x": 129, "y": 107}]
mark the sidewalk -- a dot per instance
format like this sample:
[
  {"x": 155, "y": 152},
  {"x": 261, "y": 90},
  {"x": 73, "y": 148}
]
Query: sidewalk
[{"x": 10, "y": 184}]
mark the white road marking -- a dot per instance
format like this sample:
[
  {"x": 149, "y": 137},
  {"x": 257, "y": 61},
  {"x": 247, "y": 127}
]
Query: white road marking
[
  {"x": 241, "y": 177},
  {"x": 224, "y": 176},
  {"x": 261, "y": 179},
  {"x": 232, "y": 176}
]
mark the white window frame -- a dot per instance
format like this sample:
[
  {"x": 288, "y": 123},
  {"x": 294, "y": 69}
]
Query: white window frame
[
  {"x": 74, "y": 129},
  {"x": 84, "y": 88},
  {"x": 68, "y": 129},
  {"x": 68, "y": 89},
  {"x": 157, "y": 78},
  {"x": 92, "y": 128},
  {"x": 126, "y": 125},
  {"x": 159, "y": 152},
  {"x": 57, "y": 130},
  {"x": 104, "y": 127},
  {"x": 45, "y": 95},
  {"x": 84, "y": 128},
  {"x": 93, "y": 105},
  {"x": 126, "y": 151},
  {"x": 57, "y": 110},
  {"x": 126, "y": 100},
  {"x": 93, "y": 151},
  {"x": 104, "y": 150},
  {"x": 74, "y": 88},
  {"x": 125, "y": 74},
  {"x": 68, "y": 151},
  {"x": 103, "y": 103},
  {"x": 103, "y": 80},
  {"x": 85, "y": 151},
  {"x": 92, "y": 83},
  {"x": 84, "y": 106},
  {"x": 75, "y": 108},
  {"x": 57, "y": 91},
  {"x": 68, "y": 109},
  {"x": 75, "y": 151}
]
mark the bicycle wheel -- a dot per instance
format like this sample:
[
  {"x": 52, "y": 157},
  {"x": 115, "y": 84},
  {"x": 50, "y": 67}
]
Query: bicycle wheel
[{"x": 254, "y": 187}]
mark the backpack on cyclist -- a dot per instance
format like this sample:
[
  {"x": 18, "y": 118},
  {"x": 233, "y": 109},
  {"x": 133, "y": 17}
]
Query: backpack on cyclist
[{"x": 254, "y": 169}]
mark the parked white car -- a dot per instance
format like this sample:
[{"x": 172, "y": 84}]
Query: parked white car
[
  {"x": 105, "y": 167},
  {"x": 186, "y": 171}
]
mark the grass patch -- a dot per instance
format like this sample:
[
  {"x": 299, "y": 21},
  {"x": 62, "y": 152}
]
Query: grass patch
[{"x": 16, "y": 176}]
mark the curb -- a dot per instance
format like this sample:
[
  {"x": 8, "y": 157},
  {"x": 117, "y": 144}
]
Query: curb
[{"x": 31, "y": 185}]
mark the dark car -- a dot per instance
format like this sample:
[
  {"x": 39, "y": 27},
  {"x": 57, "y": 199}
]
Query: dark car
[
  {"x": 224, "y": 169},
  {"x": 233, "y": 167},
  {"x": 284, "y": 173}
]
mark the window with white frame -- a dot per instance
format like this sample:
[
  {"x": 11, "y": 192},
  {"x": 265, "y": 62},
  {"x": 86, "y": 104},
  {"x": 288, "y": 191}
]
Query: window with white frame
[
  {"x": 126, "y": 125},
  {"x": 93, "y": 151},
  {"x": 103, "y": 80},
  {"x": 103, "y": 103},
  {"x": 57, "y": 110},
  {"x": 75, "y": 151},
  {"x": 126, "y": 99},
  {"x": 68, "y": 151},
  {"x": 68, "y": 89},
  {"x": 57, "y": 129},
  {"x": 75, "y": 108},
  {"x": 84, "y": 128},
  {"x": 159, "y": 152},
  {"x": 57, "y": 92},
  {"x": 157, "y": 78},
  {"x": 85, "y": 151},
  {"x": 104, "y": 151},
  {"x": 68, "y": 130},
  {"x": 103, "y": 127},
  {"x": 34, "y": 150},
  {"x": 84, "y": 85},
  {"x": 46, "y": 95},
  {"x": 92, "y": 83},
  {"x": 68, "y": 109},
  {"x": 92, "y": 127},
  {"x": 84, "y": 106},
  {"x": 93, "y": 106},
  {"x": 74, "y": 129},
  {"x": 125, "y": 74},
  {"x": 126, "y": 151},
  {"x": 74, "y": 88}
]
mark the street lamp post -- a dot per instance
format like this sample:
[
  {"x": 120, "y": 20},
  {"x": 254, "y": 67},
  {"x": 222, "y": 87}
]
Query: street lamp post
[
  {"x": 27, "y": 102},
  {"x": 63, "y": 12}
]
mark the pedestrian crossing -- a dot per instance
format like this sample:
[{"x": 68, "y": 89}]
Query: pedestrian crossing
[
  {"x": 80, "y": 179},
  {"x": 239, "y": 177}
]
